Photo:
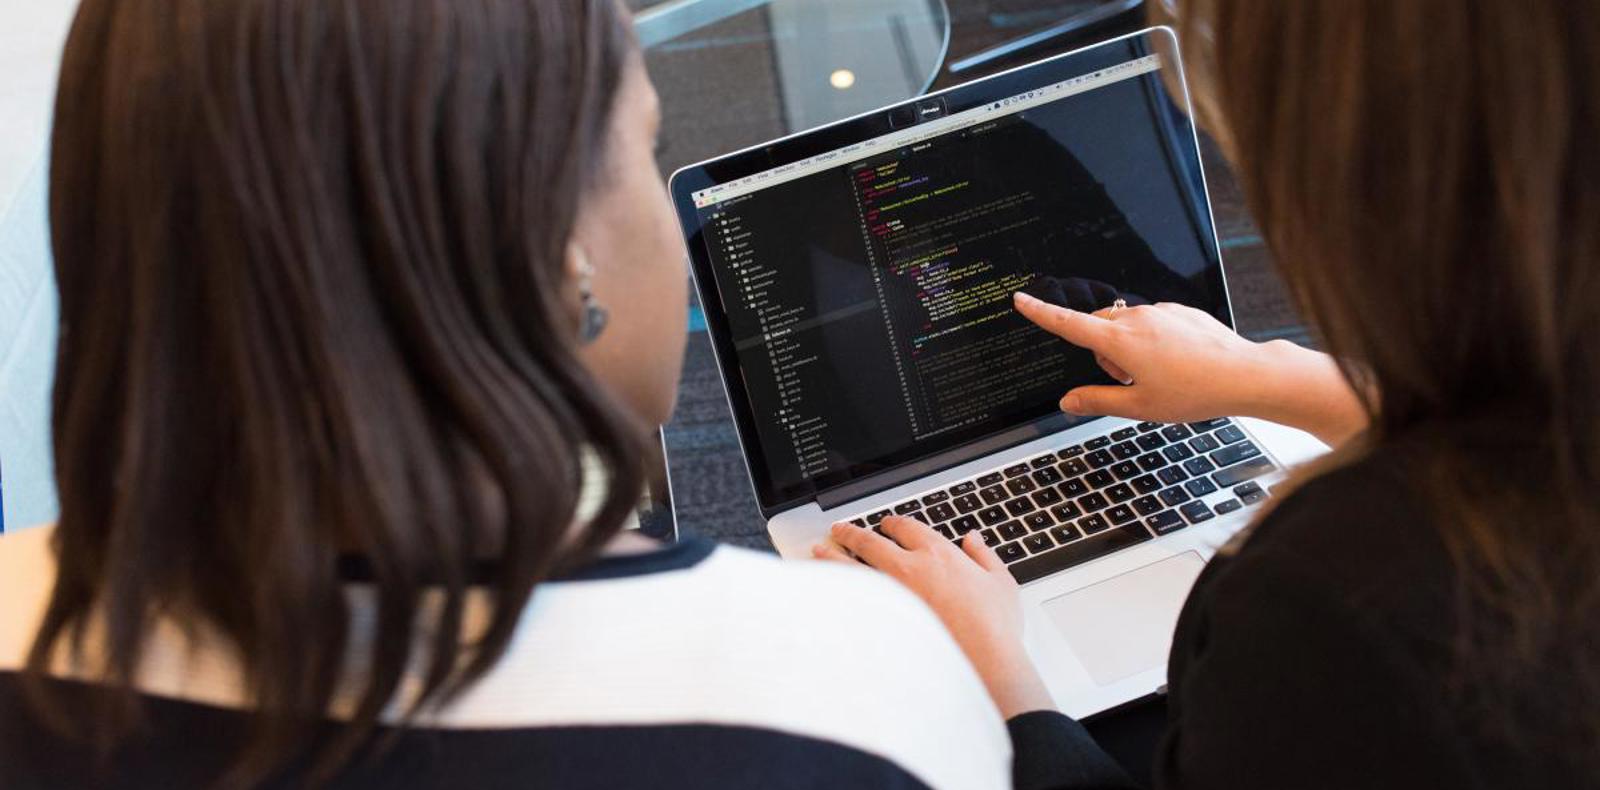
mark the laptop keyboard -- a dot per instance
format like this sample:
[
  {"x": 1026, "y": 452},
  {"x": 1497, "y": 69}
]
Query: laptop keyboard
[{"x": 1063, "y": 508}]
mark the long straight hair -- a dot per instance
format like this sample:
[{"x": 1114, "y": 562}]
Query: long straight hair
[
  {"x": 1427, "y": 176},
  {"x": 310, "y": 256}
]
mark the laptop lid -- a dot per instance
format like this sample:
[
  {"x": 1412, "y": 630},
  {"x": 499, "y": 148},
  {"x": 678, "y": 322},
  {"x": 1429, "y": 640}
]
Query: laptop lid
[{"x": 857, "y": 278}]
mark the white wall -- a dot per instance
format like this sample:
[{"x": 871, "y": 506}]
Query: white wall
[{"x": 31, "y": 34}]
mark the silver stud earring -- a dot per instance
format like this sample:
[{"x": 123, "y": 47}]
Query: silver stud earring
[{"x": 594, "y": 316}]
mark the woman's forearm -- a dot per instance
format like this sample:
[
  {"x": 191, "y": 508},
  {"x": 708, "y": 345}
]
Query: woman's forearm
[{"x": 1304, "y": 389}]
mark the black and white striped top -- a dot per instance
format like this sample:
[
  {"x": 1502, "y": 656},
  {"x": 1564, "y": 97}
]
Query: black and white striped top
[{"x": 691, "y": 666}]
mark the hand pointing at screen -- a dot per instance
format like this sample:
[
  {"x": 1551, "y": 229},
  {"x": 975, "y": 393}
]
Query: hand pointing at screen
[{"x": 1182, "y": 365}]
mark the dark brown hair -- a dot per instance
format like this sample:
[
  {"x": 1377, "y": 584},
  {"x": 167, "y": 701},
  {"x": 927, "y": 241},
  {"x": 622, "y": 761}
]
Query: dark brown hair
[
  {"x": 1427, "y": 176},
  {"x": 310, "y": 256}
]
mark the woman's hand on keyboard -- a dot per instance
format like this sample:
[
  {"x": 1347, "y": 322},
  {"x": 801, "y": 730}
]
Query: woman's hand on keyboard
[
  {"x": 1179, "y": 364},
  {"x": 970, "y": 590}
]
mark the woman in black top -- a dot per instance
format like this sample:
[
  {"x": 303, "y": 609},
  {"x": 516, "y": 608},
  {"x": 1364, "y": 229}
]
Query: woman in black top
[{"x": 1422, "y": 609}]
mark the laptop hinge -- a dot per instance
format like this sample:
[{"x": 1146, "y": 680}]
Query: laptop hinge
[{"x": 933, "y": 464}]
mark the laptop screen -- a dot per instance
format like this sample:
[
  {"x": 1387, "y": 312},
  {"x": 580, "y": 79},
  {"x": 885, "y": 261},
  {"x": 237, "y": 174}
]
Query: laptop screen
[{"x": 864, "y": 292}]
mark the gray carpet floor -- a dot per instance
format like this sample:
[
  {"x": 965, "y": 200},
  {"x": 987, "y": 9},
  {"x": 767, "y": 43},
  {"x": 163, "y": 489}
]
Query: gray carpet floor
[{"x": 696, "y": 79}]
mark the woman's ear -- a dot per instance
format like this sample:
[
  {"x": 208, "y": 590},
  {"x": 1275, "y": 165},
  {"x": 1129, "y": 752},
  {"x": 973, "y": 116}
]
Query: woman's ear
[{"x": 574, "y": 262}]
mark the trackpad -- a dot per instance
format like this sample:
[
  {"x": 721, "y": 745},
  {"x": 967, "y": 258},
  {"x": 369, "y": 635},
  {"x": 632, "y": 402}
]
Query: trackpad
[{"x": 1123, "y": 626}]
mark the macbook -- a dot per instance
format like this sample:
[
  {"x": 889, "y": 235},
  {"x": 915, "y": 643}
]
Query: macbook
[{"x": 857, "y": 282}]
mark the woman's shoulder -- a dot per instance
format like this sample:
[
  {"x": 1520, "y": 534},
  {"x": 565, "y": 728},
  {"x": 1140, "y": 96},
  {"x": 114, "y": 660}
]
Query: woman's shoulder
[
  {"x": 1365, "y": 519},
  {"x": 741, "y": 638}
]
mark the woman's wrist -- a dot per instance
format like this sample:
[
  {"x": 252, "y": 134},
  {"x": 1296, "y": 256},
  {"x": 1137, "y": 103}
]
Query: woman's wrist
[
  {"x": 1295, "y": 386},
  {"x": 1014, "y": 684}
]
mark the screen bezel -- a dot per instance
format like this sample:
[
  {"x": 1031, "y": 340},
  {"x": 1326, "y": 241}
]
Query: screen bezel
[{"x": 730, "y": 167}]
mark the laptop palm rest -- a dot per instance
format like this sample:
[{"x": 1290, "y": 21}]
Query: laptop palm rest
[{"x": 1123, "y": 625}]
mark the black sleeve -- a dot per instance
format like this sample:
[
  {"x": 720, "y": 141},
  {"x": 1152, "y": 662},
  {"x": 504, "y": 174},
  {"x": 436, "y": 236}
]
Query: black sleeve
[
  {"x": 1286, "y": 681},
  {"x": 1054, "y": 752}
]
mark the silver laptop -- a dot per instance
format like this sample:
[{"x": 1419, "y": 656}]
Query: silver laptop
[{"x": 857, "y": 283}]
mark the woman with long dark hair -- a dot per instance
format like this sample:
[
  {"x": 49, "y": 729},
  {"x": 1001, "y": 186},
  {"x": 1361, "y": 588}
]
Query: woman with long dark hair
[
  {"x": 367, "y": 310},
  {"x": 1422, "y": 609}
]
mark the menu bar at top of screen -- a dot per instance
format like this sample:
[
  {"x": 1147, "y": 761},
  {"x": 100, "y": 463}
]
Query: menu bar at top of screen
[{"x": 1001, "y": 107}]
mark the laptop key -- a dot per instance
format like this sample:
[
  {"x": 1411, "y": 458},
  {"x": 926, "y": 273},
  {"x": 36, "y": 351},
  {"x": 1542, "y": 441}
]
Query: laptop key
[
  {"x": 1076, "y": 553},
  {"x": 990, "y": 479},
  {"x": 990, "y": 538},
  {"x": 964, "y": 524},
  {"x": 1229, "y": 435},
  {"x": 945, "y": 531},
  {"x": 1119, "y": 515},
  {"x": 1047, "y": 476},
  {"x": 967, "y": 503},
  {"x": 1200, "y": 486},
  {"x": 1251, "y": 499},
  {"x": 1099, "y": 459},
  {"x": 1039, "y": 542},
  {"x": 991, "y": 516},
  {"x": 935, "y": 498},
  {"x": 1018, "y": 506},
  {"x": 1247, "y": 470},
  {"x": 941, "y": 513},
  {"x": 1126, "y": 470},
  {"x": 1020, "y": 486},
  {"x": 1092, "y": 502},
  {"x": 1147, "y": 506},
  {"x": 1177, "y": 452},
  {"x": 874, "y": 518},
  {"x": 1073, "y": 487},
  {"x": 1208, "y": 425},
  {"x": 1124, "y": 450},
  {"x": 916, "y": 515},
  {"x": 1038, "y": 520},
  {"x": 1204, "y": 444},
  {"x": 1197, "y": 512},
  {"x": 1099, "y": 478},
  {"x": 1227, "y": 506},
  {"x": 962, "y": 488},
  {"x": 1042, "y": 461},
  {"x": 905, "y": 507},
  {"x": 1166, "y": 521},
  {"x": 1246, "y": 489},
  {"x": 858, "y": 522},
  {"x": 1151, "y": 441},
  {"x": 1174, "y": 496},
  {"x": 1066, "y": 533},
  {"x": 1176, "y": 433},
  {"x": 1146, "y": 484},
  {"x": 1011, "y": 530},
  {"x": 1234, "y": 453},
  {"x": 1093, "y": 524},
  {"x": 1072, "y": 467},
  {"x": 1045, "y": 497},
  {"x": 1151, "y": 461},
  {"x": 1120, "y": 493},
  {"x": 1172, "y": 475},
  {"x": 1015, "y": 469},
  {"x": 1066, "y": 511},
  {"x": 994, "y": 495},
  {"x": 1011, "y": 552},
  {"x": 1123, "y": 434},
  {"x": 1097, "y": 443},
  {"x": 1198, "y": 466},
  {"x": 1146, "y": 427}
]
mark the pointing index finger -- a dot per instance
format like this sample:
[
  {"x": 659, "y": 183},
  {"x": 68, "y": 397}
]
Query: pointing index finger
[{"x": 1080, "y": 329}]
